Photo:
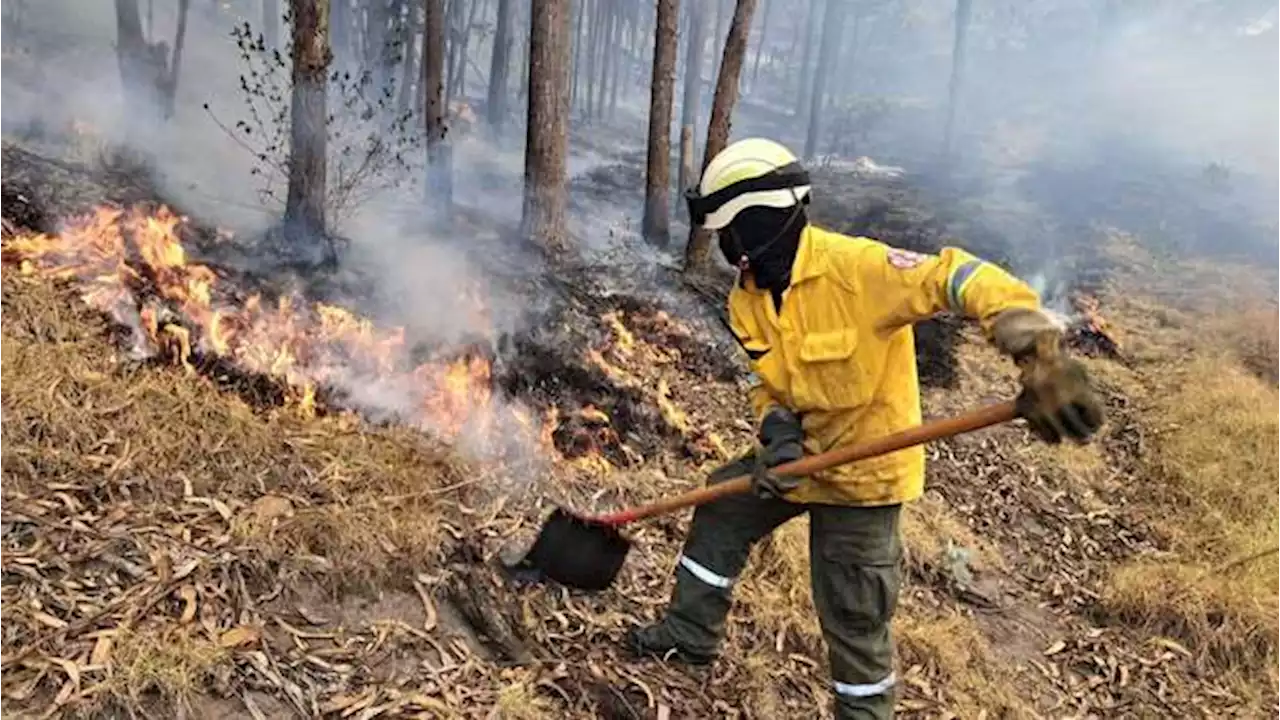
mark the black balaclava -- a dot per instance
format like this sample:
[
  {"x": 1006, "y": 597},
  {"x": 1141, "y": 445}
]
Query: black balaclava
[{"x": 769, "y": 238}]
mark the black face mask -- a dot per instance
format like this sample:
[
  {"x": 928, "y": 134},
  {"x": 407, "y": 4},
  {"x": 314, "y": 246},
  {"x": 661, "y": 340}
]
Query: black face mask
[{"x": 768, "y": 238}]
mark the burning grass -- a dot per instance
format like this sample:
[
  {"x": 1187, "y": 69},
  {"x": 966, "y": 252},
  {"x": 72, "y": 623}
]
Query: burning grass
[{"x": 133, "y": 265}]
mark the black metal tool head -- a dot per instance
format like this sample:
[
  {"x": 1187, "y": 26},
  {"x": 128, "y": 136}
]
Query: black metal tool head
[{"x": 578, "y": 552}]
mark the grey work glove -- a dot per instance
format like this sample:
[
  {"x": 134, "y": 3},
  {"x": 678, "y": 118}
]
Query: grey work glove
[
  {"x": 781, "y": 438},
  {"x": 1057, "y": 398}
]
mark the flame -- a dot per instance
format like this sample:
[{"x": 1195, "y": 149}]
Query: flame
[
  {"x": 133, "y": 265},
  {"x": 1091, "y": 319}
]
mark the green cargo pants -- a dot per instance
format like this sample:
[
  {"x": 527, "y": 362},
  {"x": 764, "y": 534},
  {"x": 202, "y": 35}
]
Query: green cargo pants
[{"x": 855, "y": 556}]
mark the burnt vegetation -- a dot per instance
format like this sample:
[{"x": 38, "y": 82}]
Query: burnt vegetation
[{"x": 314, "y": 308}]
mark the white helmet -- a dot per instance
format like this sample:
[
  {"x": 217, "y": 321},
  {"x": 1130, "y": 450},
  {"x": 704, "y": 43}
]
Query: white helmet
[{"x": 753, "y": 172}]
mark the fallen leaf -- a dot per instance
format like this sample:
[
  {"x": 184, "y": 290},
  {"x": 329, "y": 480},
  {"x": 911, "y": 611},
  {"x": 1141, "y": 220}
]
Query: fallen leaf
[
  {"x": 221, "y": 508},
  {"x": 349, "y": 703},
  {"x": 101, "y": 654},
  {"x": 71, "y": 669},
  {"x": 242, "y": 636},
  {"x": 188, "y": 595},
  {"x": 1055, "y": 648},
  {"x": 46, "y": 619},
  {"x": 270, "y": 507},
  {"x": 1167, "y": 643}
]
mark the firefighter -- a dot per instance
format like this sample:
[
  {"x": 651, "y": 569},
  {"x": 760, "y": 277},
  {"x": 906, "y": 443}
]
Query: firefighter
[{"x": 826, "y": 320}]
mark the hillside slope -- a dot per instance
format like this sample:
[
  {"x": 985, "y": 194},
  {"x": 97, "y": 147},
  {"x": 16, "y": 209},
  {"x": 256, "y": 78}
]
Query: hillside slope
[{"x": 188, "y": 537}]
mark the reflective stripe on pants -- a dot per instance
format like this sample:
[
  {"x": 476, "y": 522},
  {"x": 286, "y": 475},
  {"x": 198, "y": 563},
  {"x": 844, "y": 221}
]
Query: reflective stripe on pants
[
  {"x": 705, "y": 574},
  {"x": 866, "y": 689}
]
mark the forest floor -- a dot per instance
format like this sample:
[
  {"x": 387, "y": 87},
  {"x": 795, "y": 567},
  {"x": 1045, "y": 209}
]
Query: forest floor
[{"x": 187, "y": 534}]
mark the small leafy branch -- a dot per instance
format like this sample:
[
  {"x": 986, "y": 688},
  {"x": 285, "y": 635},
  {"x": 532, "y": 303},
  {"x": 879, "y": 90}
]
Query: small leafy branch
[{"x": 372, "y": 146}]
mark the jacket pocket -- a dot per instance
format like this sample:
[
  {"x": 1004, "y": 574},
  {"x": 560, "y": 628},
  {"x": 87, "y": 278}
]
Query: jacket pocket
[{"x": 829, "y": 374}]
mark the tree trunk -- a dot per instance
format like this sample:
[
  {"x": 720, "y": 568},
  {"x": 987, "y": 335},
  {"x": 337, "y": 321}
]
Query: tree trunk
[
  {"x": 271, "y": 23},
  {"x": 545, "y": 199},
  {"x": 657, "y": 194},
  {"x": 452, "y": 10},
  {"x": 169, "y": 92},
  {"x": 698, "y": 252},
  {"x": 606, "y": 53},
  {"x": 686, "y": 179},
  {"x": 140, "y": 79},
  {"x": 412, "y": 31},
  {"x": 439, "y": 194},
  {"x": 496, "y": 105},
  {"x": 619, "y": 55},
  {"x": 305, "y": 202},
  {"x": 766, "y": 6},
  {"x": 831, "y": 21},
  {"x": 958, "y": 52},
  {"x": 593, "y": 56},
  {"x": 577, "y": 53},
  {"x": 692, "y": 70},
  {"x": 461, "y": 82},
  {"x": 805, "y": 80}
]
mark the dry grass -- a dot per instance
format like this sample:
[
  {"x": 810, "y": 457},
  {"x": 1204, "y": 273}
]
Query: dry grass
[
  {"x": 1214, "y": 483},
  {"x": 519, "y": 700},
  {"x": 930, "y": 527},
  {"x": 360, "y": 498},
  {"x": 1255, "y": 335},
  {"x": 953, "y": 648},
  {"x": 174, "y": 663},
  {"x": 118, "y": 445},
  {"x": 1204, "y": 341}
]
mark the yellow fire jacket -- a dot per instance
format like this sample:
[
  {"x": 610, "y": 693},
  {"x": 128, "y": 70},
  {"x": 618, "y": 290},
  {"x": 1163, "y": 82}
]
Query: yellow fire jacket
[{"x": 841, "y": 353}]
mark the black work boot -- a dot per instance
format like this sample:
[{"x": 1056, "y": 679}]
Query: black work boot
[{"x": 658, "y": 641}]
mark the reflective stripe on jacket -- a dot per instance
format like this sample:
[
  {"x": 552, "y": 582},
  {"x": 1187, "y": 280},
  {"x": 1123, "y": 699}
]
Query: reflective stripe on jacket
[{"x": 841, "y": 353}]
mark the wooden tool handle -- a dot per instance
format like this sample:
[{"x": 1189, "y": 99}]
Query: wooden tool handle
[{"x": 928, "y": 432}]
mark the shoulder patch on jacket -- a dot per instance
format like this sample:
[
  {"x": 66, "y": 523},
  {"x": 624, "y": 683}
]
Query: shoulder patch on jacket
[{"x": 904, "y": 259}]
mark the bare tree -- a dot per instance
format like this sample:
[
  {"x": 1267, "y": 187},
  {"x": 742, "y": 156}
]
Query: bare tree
[
  {"x": 169, "y": 90},
  {"x": 657, "y": 194},
  {"x": 766, "y": 6},
  {"x": 716, "y": 36},
  {"x": 804, "y": 81},
  {"x": 304, "y": 204},
  {"x": 547, "y": 141},
  {"x": 439, "y": 172},
  {"x": 138, "y": 74},
  {"x": 831, "y": 21},
  {"x": 412, "y": 30},
  {"x": 148, "y": 75},
  {"x": 577, "y": 52},
  {"x": 958, "y": 52},
  {"x": 606, "y": 52},
  {"x": 698, "y": 251},
  {"x": 692, "y": 72},
  {"x": 497, "y": 101}
]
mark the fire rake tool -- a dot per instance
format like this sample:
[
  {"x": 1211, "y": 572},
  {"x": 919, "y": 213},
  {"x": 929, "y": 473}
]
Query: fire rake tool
[{"x": 587, "y": 552}]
